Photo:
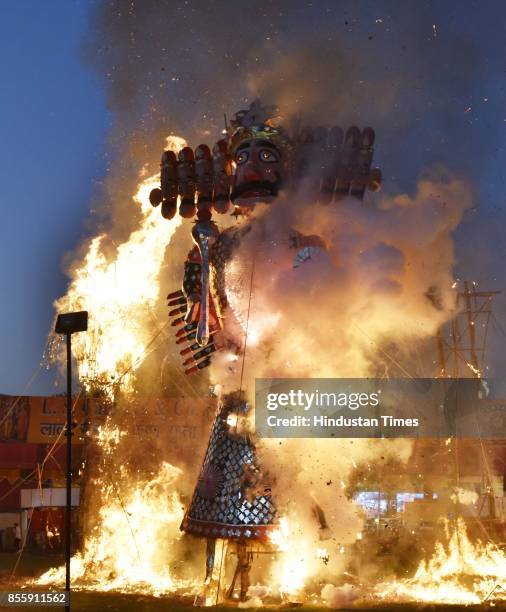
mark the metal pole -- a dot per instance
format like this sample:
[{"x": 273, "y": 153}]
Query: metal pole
[{"x": 69, "y": 470}]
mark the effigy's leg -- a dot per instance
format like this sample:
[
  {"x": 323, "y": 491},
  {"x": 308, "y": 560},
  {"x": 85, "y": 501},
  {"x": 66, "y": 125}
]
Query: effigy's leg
[
  {"x": 244, "y": 561},
  {"x": 210, "y": 557},
  {"x": 242, "y": 571},
  {"x": 212, "y": 593},
  {"x": 231, "y": 588}
]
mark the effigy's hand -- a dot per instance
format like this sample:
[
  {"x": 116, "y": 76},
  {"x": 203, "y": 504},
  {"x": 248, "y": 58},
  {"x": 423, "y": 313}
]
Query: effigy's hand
[
  {"x": 335, "y": 164},
  {"x": 200, "y": 179},
  {"x": 192, "y": 310}
]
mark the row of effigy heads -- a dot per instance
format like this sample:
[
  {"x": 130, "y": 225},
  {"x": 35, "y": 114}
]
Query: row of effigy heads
[{"x": 333, "y": 163}]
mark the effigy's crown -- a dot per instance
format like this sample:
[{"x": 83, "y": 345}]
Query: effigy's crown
[{"x": 258, "y": 123}]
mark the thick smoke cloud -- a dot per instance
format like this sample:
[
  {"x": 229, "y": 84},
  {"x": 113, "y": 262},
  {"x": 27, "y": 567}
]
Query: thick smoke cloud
[
  {"x": 170, "y": 65},
  {"x": 422, "y": 74}
]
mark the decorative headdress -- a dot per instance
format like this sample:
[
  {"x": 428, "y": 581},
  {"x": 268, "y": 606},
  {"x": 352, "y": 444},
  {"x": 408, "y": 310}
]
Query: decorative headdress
[{"x": 258, "y": 122}]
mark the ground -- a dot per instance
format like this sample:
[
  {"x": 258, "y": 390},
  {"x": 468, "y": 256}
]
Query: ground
[{"x": 31, "y": 565}]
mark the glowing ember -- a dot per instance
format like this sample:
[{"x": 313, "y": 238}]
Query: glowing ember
[{"x": 232, "y": 420}]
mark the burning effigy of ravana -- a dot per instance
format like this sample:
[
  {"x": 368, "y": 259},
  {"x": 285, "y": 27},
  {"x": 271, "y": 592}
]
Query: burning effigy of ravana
[
  {"x": 313, "y": 274},
  {"x": 306, "y": 283}
]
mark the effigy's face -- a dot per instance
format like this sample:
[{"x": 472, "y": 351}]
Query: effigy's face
[{"x": 258, "y": 173}]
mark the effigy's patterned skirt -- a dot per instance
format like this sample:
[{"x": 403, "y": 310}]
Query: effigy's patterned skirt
[{"x": 228, "y": 501}]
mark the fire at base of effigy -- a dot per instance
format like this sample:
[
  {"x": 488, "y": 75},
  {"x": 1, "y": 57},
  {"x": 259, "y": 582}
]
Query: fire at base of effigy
[{"x": 136, "y": 547}]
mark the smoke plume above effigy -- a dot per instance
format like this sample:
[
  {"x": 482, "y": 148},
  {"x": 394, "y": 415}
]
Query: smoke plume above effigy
[{"x": 363, "y": 307}]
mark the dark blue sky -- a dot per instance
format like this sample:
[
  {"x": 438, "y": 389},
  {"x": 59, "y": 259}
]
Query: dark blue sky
[
  {"x": 163, "y": 64},
  {"x": 54, "y": 123}
]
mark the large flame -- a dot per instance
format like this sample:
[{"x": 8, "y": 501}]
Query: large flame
[
  {"x": 138, "y": 516},
  {"x": 119, "y": 294},
  {"x": 461, "y": 572},
  {"x": 129, "y": 549},
  {"x": 291, "y": 568},
  {"x": 300, "y": 558}
]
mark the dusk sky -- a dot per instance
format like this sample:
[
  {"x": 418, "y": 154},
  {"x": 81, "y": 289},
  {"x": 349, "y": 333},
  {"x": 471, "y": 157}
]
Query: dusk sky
[
  {"x": 52, "y": 159},
  {"x": 448, "y": 105}
]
